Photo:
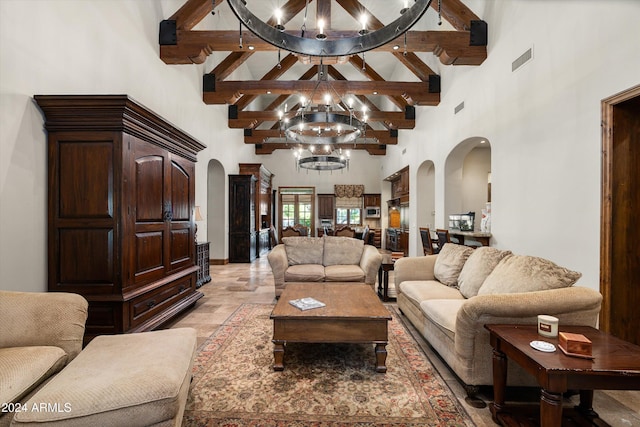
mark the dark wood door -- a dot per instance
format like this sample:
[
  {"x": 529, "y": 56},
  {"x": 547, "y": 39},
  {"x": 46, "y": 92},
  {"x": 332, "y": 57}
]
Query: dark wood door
[
  {"x": 325, "y": 206},
  {"x": 161, "y": 192},
  {"x": 620, "y": 239}
]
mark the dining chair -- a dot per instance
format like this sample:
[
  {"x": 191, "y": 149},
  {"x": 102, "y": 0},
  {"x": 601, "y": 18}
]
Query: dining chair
[
  {"x": 291, "y": 232},
  {"x": 346, "y": 231},
  {"x": 427, "y": 242},
  {"x": 443, "y": 238}
]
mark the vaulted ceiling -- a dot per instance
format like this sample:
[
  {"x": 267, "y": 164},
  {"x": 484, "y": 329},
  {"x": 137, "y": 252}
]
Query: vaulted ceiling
[{"x": 204, "y": 31}]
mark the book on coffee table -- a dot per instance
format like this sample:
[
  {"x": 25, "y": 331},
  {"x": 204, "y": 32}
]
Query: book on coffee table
[{"x": 306, "y": 303}]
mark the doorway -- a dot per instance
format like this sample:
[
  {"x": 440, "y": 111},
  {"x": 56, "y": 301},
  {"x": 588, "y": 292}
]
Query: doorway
[{"x": 619, "y": 231}]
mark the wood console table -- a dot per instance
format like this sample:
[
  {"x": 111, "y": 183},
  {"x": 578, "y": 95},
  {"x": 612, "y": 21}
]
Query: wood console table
[
  {"x": 480, "y": 236},
  {"x": 615, "y": 366}
]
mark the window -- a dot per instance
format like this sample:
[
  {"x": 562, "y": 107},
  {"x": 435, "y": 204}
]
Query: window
[
  {"x": 349, "y": 216},
  {"x": 296, "y": 207}
]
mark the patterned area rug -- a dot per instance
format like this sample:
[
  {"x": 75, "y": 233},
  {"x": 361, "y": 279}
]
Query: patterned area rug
[{"x": 322, "y": 385}]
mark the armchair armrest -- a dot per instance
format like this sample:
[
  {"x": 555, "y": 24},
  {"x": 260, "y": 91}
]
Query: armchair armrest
[
  {"x": 574, "y": 305},
  {"x": 370, "y": 263},
  {"x": 279, "y": 262},
  {"x": 43, "y": 319},
  {"x": 414, "y": 268}
]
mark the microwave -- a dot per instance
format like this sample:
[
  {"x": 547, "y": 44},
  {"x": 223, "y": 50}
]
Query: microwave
[{"x": 372, "y": 212}]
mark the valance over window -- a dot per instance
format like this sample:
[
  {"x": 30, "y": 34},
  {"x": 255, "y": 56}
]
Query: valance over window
[
  {"x": 349, "y": 190},
  {"x": 349, "y": 196}
]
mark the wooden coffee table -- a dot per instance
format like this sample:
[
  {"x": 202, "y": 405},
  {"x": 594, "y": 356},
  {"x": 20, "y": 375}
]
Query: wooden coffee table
[
  {"x": 615, "y": 366},
  {"x": 353, "y": 314}
]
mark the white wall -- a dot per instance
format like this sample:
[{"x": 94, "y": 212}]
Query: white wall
[
  {"x": 85, "y": 47},
  {"x": 543, "y": 122}
]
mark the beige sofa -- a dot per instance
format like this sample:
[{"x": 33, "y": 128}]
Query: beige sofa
[
  {"x": 47, "y": 379},
  {"x": 323, "y": 259},
  {"x": 451, "y": 296}
]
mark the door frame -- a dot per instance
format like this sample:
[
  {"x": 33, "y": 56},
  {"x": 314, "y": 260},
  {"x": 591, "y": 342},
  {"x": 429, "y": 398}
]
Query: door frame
[{"x": 606, "y": 207}]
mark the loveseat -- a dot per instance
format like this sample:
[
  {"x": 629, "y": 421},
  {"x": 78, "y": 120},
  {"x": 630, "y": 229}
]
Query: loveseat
[
  {"x": 449, "y": 298},
  {"x": 323, "y": 259},
  {"x": 48, "y": 379}
]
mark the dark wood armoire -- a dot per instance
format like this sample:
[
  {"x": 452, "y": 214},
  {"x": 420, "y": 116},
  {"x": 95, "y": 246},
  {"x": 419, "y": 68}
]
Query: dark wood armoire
[
  {"x": 121, "y": 211},
  {"x": 242, "y": 218}
]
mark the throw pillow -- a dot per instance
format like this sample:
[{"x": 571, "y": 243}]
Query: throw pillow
[
  {"x": 303, "y": 250},
  {"x": 449, "y": 263},
  {"x": 479, "y": 265},
  {"x": 342, "y": 251},
  {"x": 520, "y": 273}
]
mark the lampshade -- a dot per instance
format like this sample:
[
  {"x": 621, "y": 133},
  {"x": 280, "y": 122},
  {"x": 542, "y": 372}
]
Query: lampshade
[{"x": 198, "y": 214}]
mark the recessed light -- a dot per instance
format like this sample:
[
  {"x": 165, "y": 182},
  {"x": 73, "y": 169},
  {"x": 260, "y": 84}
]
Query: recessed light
[
  {"x": 251, "y": 47},
  {"x": 396, "y": 47},
  {"x": 375, "y": 92},
  {"x": 268, "y": 92}
]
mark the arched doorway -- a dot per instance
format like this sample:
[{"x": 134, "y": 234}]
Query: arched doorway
[
  {"x": 426, "y": 199},
  {"x": 467, "y": 179},
  {"x": 216, "y": 211}
]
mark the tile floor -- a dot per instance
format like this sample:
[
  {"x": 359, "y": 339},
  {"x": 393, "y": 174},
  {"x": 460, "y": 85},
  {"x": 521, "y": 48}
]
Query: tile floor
[{"x": 235, "y": 284}]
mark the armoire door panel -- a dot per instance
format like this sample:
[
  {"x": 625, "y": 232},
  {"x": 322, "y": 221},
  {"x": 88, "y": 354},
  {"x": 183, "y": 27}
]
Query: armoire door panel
[
  {"x": 86, "y": 179},
  {"x": 180, "y": 184},
  {"x": 149, "y": 254},
  {"x": 180, "y": 247},
  {"x": 149, "y": 195},
  {"x": 88, "y": 258}
]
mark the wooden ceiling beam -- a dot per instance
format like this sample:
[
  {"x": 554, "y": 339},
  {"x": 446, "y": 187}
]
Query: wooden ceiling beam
[
  {"x": 371, "y": 74},
  {"x": 195, "y": 46},
  {"x": 372, "y": 149},
  {"x": 192, "y": 12},
  {"x": 248, "y": 119},
  {"x": 456, "y": 13},
  {"x": 227, "y": 91},
  {"x": 260, "y": 136},
  {"x": 229, "y": 64},
  {"x": 277, "y": 71}
]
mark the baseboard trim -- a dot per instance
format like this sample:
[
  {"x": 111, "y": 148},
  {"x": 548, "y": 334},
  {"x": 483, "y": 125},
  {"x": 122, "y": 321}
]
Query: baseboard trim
[{"x": 219, "y": 261}]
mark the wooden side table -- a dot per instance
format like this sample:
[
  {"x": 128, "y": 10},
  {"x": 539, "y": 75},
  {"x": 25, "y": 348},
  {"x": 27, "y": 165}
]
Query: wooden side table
[
  {"x": 383, "y": 280},
  {"x": 615, "y": 366}
]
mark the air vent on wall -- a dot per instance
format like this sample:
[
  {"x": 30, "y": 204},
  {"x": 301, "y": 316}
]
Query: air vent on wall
[
  {"x": 523, "y": 59},
  {"x": 458, "y": 108}
]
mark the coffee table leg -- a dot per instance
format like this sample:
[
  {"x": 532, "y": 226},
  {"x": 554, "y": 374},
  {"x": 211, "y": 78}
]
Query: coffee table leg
[
  {"x": 381, "y": 357},
  {"x": 550, "y": 409},
  {"x": 278, "y": 355}
]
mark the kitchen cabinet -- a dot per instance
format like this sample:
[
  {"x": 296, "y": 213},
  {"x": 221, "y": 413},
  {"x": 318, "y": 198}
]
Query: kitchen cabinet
[
  {"x": 372, "y": 200},
  {"x": 121, "y": 201},
  {"x": 400, "y": 184},
  {"x": 326, "y": 206}
]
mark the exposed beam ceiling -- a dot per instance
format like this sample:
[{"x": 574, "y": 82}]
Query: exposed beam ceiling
[{"x": 180, "y": 43}]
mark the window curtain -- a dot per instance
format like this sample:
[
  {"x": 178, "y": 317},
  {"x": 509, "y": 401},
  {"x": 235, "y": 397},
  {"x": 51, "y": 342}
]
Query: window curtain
[{"x": 349, "y": 196}]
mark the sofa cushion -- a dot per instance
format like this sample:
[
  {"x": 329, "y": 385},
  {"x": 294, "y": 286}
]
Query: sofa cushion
[
  {"x": 130, "y": 379},
  {"x": 342, "y": 250},
  {"x": 449, "y": 263},
  {"x": 477, "y": 267},
  {"x": 443, "y": 313},
  {"x": 521, "y": 273},
  {"x": 421, "y": 290},
  {"x": 304, "y": 273},
  {"x": 303, "y": 250},
  {"x": 344, "y": 273},
  {"x": 23, "y": 368}
]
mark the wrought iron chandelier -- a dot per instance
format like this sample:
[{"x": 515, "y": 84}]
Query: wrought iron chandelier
[
  {"x": 322, "y": 45},
  {"x": 333, "y": 121},
  {"x": 318, "y": 126}
]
